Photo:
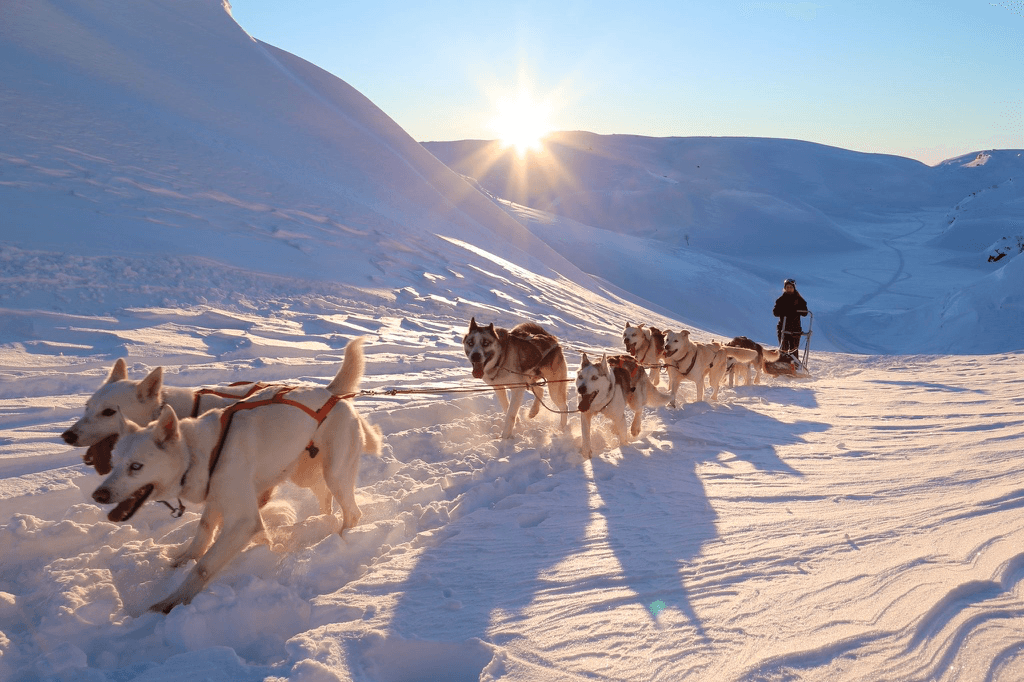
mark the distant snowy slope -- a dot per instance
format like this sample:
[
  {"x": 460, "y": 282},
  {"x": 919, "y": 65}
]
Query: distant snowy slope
[
  {"x": 988, "y": 204},
  {"x": 720, "y": 193},
  {"x": 709, "y": 193}
]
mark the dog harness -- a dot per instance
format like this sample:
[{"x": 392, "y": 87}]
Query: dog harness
[
  {"x": 255, "y": 387},
  {"x": 535, "y": 340},
  {"x": 229, "y": 413},
  {"x": 692, "y": 363},
  {"x": 278, "y": 398},
  {"x": 627, "y": 364}
]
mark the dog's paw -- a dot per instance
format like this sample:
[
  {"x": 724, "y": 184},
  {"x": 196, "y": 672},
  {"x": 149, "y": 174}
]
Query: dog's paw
[
  {"x": 180, "y": 558},
  {"x": 635, "y": 430},
  {"x": 586, "y": 452}
]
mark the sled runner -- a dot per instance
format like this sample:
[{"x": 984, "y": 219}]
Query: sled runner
[{"x": 791, "y": 364}]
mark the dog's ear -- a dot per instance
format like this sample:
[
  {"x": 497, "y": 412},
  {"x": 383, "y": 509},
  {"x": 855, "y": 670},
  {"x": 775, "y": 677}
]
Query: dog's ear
[
  {"x": 167, "y": 430},
  {"x": 150, "y": 387},
  {"x": 490, "y": 327},
  {"x": 124, "y": 426},
  {"x": 603, "y": 365},
  {"x": 119, "y": 372},
  {"x": 585, "y": 362},
  {"x": 472, "y": 324},
  {"x": 627, "y": 324}
]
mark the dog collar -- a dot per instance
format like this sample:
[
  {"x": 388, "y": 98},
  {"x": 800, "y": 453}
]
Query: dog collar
[
  {"x": 176, "y": 512},
  {"x": 692, "y": 363},
  {"x": 611, "y": 397}
]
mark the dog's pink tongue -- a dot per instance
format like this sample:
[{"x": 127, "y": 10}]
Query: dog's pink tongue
[
  {"x": 121, "y": 511},
  {"x": 585, "y": 400},
  {"x": 478, "y": 370},
  {"x": 98, "y": 455}
]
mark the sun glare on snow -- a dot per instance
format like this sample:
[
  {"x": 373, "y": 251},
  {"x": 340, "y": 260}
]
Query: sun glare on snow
[{"x": 521, "y": 123}]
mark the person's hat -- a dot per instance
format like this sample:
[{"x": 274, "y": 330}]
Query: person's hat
[{"x": 789, "y": 281}]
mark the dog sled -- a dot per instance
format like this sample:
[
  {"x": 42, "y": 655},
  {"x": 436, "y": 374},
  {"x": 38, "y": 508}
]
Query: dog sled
[{"x": 791, "y": 364}]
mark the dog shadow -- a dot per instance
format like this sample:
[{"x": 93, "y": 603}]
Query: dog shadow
[
  {"x": 482, "y": 568},
  {"x": 656, "y": 506},
  {"x": 656, "y": 517}
]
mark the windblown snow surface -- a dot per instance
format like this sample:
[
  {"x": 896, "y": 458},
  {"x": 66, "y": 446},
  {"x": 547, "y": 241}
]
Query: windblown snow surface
[{"x": 181, "y": 195}]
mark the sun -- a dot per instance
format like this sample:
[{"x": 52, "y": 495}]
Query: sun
[{"x": 521, "y": 123}]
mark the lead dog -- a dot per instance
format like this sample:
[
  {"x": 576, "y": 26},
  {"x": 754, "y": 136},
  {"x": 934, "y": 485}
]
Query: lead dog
[
  {"x": 607, "y": 388},
  {"x": 140, "y": 402},
  {"x": 515, "y": 358},
  {"x": 646, "y": 345},
  {"x": 229, "y": 458},
  {"x": 685, "y": 359}
]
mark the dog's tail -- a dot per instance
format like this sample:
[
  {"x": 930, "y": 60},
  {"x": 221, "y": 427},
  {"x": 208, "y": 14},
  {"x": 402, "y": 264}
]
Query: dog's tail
[
  {"x": 347, "y": 382},
  {"x": 352, "y": 368},
  {"x": 371, "y": 435},
  {"x": 655, "y": 398}
]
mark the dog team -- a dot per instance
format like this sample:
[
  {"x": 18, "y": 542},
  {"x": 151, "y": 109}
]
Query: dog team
[{"x": 228, "y": 448}]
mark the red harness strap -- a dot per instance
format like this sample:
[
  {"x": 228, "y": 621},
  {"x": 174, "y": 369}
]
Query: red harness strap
[
  {"x": 198, "y": 395},
  {"x": 278, "y": 398},
  {"x": 628, "y": 363}
]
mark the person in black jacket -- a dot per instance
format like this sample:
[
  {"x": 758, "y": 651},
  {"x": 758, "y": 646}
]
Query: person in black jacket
[{"x": 789, "y": 308}]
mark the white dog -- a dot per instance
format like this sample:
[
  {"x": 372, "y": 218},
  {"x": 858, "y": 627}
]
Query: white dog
[
  {"x": 645, "y": 346},
  {"x": 140, "y": 401},
  {"x": 230, "y": 458},
  {"x": 607, "y": 388},
  {"x": 685, "y": 359}
]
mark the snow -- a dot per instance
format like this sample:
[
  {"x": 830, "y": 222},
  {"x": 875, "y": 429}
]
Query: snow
[{"x": 181, "y": 195}]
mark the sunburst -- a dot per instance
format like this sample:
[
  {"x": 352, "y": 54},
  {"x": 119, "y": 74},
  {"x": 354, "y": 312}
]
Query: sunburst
[{"x": 522, "y": 122}]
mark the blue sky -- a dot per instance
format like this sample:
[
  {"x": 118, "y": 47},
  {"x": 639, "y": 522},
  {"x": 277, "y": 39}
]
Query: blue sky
[{"x": 927, "y": 80}]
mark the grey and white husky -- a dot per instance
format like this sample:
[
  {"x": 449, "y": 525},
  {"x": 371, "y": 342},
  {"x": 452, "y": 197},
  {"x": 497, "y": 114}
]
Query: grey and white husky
[
  {"x": 607, "y": 388},
  {"x": 509, "y": 360}
]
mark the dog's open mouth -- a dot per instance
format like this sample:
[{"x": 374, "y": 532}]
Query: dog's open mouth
[
  {"x": 98, "y": 455},
  {"x": 125, "y": 510},
  {"x": 585, "y": 400},
  {"x": 478, "y": 370}
]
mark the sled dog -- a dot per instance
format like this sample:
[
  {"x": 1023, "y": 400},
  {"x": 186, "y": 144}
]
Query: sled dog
[
  {"x": 685, "y": 359},
  {"x": 646, "y": 346},
  {"x": 523, "y": 355},
  {"x": 744, "y": 355},
  {"x": 140, "y": 401},
  {"x": 607, "y": 388},
  {"x": 230, "y": 457}
]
